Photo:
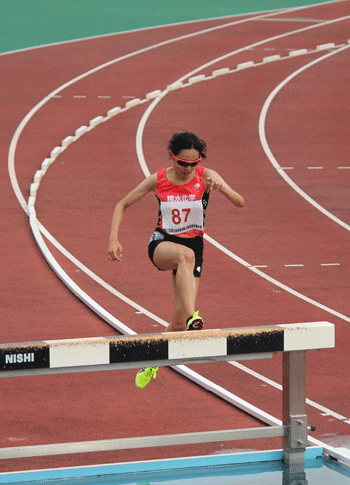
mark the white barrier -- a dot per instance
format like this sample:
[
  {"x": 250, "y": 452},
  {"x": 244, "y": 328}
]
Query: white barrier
[
  {"x": 108, "y": 353},
  {"x": 164, "y": 349}
]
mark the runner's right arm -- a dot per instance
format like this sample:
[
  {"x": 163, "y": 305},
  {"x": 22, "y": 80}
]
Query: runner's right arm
[{"x": 148, "y": 185}]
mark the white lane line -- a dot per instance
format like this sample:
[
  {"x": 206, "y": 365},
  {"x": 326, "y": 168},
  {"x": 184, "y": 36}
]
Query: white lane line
[
  {"x": 267, "y": 149},
  {"x": 291, "y": 265},
  {"x": 240, "y": 66},
  {"x": 311, "y": 168},
  {"x": 74, "y": 288},
  {"x": 286, "y": 19},
  {"x": 326, "y": 411},
  {"x": 95, "y": 278}
]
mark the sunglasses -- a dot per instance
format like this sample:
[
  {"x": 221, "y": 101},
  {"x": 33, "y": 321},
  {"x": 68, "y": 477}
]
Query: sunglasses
[{"x": 187, "y": 163}]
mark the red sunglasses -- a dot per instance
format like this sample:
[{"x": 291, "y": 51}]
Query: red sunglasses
[{"x": 187, "y": 163}]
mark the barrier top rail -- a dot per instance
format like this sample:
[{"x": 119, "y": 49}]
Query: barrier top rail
[{"x": 164, "y": 349}]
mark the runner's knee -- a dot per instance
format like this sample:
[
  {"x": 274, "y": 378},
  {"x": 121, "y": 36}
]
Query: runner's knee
[{"x": 186, "y": 256}]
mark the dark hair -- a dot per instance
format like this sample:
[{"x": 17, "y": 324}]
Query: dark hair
[{"x": 185, "y": 140}]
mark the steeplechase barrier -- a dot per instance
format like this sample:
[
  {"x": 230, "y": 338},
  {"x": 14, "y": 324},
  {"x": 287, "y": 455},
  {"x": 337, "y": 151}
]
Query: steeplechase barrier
[{"x": 168, "y": 349}]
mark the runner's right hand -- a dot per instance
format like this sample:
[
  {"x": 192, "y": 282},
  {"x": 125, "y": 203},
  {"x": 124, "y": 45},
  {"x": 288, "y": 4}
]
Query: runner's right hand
[{"x": 115, "y": 251}]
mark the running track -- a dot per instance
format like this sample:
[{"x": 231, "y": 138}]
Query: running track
[{"x": 277, "y": 131}]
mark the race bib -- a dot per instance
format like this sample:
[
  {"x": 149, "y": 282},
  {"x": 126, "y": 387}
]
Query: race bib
[{"x": 179, "y": 217}]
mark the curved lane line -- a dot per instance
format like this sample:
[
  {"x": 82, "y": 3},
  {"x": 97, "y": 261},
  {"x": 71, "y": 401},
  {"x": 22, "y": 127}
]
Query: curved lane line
[
  {"x": 93, "y": 276},
  {"x": 73, "y": 287},
  {"x": 265, "y": 145},
  {"x": 280, "y": 388}
]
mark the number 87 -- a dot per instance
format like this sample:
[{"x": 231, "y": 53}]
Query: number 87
[{"x": 177, "y": 216}]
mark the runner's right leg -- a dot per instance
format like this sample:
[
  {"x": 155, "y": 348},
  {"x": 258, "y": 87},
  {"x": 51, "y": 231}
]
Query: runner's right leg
[{"x": 170, "y": 256}]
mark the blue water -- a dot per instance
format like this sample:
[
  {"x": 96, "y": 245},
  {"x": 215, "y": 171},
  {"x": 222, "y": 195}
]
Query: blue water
[
  {"x": 252, "y": 468},
  {"x": 318, "y": 472}
]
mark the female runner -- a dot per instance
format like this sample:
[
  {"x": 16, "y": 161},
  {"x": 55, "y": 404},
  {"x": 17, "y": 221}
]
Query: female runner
[{"x": 176, "y": 245}]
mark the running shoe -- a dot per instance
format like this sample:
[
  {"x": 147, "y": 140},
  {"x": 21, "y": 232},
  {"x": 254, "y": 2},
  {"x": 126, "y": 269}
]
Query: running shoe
[
  {"x": 195, "y": 322},
  {"x": 144, "y": 376}
]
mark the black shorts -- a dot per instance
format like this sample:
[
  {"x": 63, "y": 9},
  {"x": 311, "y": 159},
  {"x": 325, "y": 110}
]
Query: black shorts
[{"x": 194, "y": 243}]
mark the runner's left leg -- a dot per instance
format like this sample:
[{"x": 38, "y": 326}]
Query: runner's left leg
[
  {"x": 169, "y": 256},
  {"x": 180, "y": 315}
]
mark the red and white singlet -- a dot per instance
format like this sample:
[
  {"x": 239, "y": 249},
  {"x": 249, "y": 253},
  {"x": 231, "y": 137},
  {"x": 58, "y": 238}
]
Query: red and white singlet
[{"x": 182, "y": 207}]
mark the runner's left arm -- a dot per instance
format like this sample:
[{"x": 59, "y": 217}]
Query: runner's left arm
[{"x": 214, "y": 181}]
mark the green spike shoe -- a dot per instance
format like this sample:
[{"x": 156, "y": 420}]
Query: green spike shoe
[
  {"x": 144, "y": 376},
  {"x": 195, "y": 322}
]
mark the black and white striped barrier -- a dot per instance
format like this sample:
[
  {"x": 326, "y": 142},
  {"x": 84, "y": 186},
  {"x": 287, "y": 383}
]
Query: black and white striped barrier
[{"x": 165, "y": 349}]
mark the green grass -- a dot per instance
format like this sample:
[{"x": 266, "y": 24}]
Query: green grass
[{"x": 29, "y": 23}]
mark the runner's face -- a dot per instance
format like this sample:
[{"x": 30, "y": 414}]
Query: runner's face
[{"x": 187, "y": 155}]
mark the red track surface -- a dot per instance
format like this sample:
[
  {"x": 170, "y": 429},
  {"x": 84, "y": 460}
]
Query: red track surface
[{"x": 307, "y": 126}]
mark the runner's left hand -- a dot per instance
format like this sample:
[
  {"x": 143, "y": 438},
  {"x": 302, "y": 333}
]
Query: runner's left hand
[{"x": 213, "y": 184}]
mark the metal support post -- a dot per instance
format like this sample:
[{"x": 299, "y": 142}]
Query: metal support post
[
  {"x": 294, "y": 478},
  {"x": 294, "y": 411}
]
